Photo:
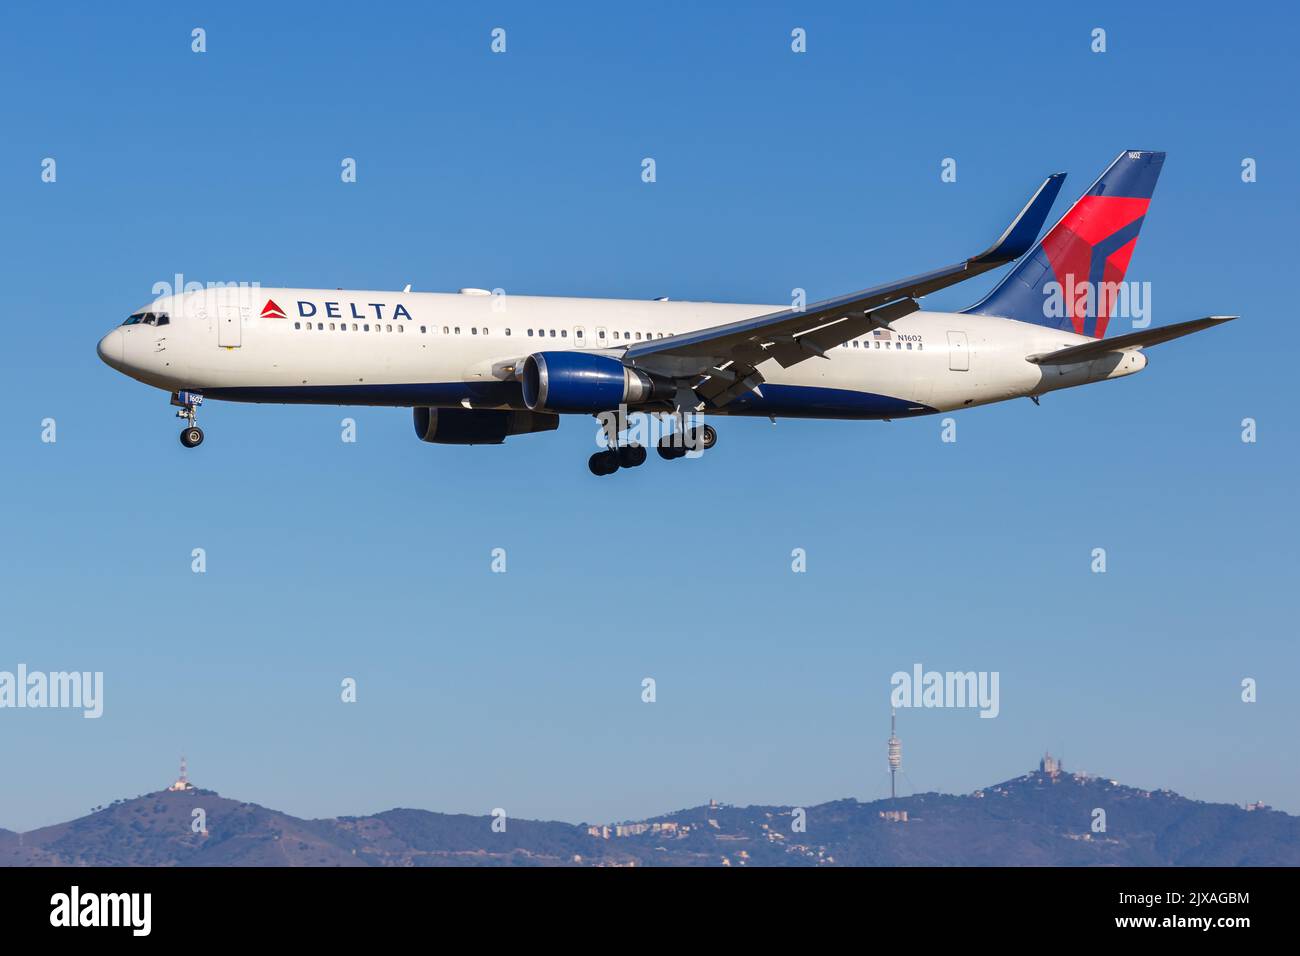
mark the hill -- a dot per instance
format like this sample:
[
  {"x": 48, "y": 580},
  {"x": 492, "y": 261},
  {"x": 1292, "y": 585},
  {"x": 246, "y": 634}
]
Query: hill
[{"x": 1040, "y": 819}]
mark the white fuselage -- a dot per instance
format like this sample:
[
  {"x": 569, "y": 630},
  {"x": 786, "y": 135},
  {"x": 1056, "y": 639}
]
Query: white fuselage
[{"x": 460, "y": 350}]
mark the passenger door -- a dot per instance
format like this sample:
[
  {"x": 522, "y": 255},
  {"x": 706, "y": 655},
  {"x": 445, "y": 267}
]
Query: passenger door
[{"x": 958, "y": 352}]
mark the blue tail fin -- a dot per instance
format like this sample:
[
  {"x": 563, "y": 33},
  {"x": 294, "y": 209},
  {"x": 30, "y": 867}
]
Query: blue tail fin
[{"x": 1072, "y": 278}]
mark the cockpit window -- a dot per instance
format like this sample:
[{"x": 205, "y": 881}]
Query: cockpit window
[{"x": 148, "y": 318}]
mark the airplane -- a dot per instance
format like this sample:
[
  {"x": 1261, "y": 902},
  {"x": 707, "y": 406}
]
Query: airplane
[{"x": 478, "y": 367}]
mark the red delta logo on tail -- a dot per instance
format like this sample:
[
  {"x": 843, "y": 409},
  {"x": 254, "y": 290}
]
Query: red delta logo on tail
[
  {"x": 272, "y": 311},
  {"x": 1073, "y": 279},
  {"x": 1089, "y": 252}
]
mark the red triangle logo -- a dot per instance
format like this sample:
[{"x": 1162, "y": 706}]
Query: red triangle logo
[{"x": 271, "y": 310}]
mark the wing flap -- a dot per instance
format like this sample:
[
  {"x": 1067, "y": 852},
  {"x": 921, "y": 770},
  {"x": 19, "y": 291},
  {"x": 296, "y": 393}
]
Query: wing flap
[{"x": 816, "y": 342}]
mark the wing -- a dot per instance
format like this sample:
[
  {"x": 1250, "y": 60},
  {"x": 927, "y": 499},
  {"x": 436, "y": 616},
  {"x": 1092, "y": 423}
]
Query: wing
[
  {"x": 1134, "y": 340},
  {"x": 724, "y": 359}
]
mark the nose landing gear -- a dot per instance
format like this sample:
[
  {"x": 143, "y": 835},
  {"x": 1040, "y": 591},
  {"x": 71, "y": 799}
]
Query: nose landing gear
[{"x": 189, "y": 402}]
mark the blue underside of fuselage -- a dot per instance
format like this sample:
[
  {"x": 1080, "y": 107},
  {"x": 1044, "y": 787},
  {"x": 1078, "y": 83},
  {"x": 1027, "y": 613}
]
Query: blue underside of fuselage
[{"x": 783, "y": 401}]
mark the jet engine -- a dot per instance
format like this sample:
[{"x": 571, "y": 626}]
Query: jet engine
[
  {"x": 478, "y": 426},
  {"x": 586, "y": 382}
]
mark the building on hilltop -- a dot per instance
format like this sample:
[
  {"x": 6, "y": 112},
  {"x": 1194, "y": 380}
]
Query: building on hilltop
[{"x": 183, "y": 781}]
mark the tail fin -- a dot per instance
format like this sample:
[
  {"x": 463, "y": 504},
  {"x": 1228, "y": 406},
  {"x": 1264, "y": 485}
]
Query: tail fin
[{"x": 1070, "y": 279}]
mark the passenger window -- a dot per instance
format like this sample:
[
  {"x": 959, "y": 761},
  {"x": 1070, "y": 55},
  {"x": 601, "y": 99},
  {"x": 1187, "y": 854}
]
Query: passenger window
[
  {"x": 297, "y": 325},
  {"x": 331, "y": 326},
  {"x": 564, "y": 333},
  {"x": 366, "y": 327},
  {"x": 401, "y": 328},
  {"x": 552, "y": 333},
  {"x": 458, "y": 330},
  {"x": 530, "y": 333},
  {"x": 422, "y": 330},
  {"x": 388, "y": 328},
  {"x": 507, "y": 331},
  {"x": 474, "y": 331}
]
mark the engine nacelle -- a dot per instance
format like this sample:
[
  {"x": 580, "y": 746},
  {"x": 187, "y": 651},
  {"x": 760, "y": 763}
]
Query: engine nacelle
[
  {"x": 585, "y": 382},
  {"x": 478, "y": 426}
]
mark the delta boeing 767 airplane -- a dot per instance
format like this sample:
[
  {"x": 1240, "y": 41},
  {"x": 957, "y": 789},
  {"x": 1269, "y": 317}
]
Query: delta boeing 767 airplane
[{"x": 478, "y": 368}]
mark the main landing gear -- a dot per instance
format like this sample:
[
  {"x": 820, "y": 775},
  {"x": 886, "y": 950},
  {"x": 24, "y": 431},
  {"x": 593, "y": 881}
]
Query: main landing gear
[
  {"x": 612, "y": 459},
  {"x": 670, "y": 447},
  {"x": 674, "y": 446},
  {"x": 189, "y": 402}
]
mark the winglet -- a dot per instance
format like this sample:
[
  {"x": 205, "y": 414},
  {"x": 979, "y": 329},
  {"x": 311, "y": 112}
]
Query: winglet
[{"x": 1020, "y": 235}]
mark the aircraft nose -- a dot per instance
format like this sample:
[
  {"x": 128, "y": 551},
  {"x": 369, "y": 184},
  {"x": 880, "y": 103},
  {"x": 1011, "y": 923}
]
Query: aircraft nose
[{"x": 110, "y": 349}]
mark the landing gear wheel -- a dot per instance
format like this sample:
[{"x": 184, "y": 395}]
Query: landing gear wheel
[
  {"x": 603, "y": 462},
  {"x": 192, "y": 436},
  {"x": 629, "y": 456},
  {"x": 710, "y": 437},
  {"x": 669, "y": 451}
]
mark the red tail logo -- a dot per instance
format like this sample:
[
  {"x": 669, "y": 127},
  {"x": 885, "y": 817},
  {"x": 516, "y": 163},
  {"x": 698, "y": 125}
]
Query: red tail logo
[
  {"x": 1090, "y": 248},
  {"x": 271, "y": 310}
]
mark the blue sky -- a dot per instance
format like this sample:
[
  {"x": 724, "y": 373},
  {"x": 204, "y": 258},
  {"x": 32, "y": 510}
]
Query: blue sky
[{"x": 775, "y": 170}]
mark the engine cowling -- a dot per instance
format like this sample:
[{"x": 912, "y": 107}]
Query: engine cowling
[
  {"x": 586, "y": 382},
  {"x": 478, "y": 426}
]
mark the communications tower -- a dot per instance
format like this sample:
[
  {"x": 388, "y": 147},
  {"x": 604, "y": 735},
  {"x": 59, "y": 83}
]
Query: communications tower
[{"x": 895, "y": 754}]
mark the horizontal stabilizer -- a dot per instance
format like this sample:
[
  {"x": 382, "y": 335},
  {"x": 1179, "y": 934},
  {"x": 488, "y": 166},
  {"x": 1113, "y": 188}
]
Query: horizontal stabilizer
[{"x": 1134, "y": 340}]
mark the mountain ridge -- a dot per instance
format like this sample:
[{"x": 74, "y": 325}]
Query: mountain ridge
[{"x": 1040, "y": 819}]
